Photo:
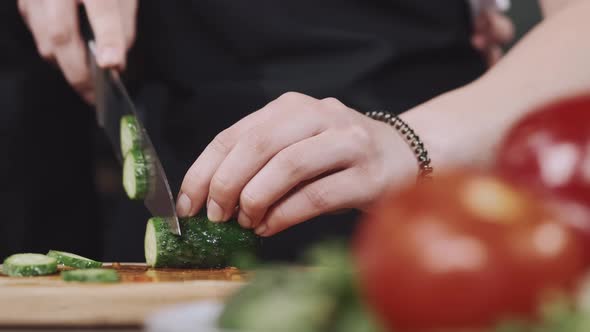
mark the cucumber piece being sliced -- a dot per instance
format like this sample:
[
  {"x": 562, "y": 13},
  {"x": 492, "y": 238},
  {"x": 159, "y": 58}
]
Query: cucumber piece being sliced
[
  {"x": 91, "y": 275},
  {"x": 203, "y": 244},
  {"x": 130, "y": 134},
  {"x": 28, "y": 265},
  {"x": 135, "y": 174},
  {"x": 73, "y": 260}
]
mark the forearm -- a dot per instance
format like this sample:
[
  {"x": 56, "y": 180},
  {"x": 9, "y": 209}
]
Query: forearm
[{"x": 463, "y": 127}]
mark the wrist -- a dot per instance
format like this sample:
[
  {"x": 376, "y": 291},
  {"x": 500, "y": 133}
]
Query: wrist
[
  {"x": 411, "y": 138},
  {"x": 398, "y": 165}
]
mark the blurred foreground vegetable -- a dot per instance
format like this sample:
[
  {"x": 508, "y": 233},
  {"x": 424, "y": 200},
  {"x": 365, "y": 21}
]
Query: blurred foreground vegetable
[
  {"x": 548, "y": 152},
  {"x": 465, "y": 251},
  {"x": 319, "y": 298}
]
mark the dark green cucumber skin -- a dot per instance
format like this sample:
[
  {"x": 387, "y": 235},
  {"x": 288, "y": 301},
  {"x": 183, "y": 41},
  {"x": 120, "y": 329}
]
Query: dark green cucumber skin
[
  {"x": 142, "y": 174},
  {"x": 28, "y": 271},
  {"x": 203, "y": 244},
  {"x": 91, "y": 275},
  {"x": 72, "y": 262}
]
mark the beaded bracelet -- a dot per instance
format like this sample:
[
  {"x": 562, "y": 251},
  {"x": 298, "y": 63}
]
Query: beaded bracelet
[{"x": 416, "y": 144}]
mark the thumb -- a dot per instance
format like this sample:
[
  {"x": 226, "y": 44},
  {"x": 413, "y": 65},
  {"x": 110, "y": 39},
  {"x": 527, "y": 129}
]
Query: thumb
[{"x": 107, "y": 26}]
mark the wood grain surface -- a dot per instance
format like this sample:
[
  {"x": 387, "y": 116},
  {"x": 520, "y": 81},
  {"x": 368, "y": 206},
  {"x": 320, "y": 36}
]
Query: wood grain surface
[{"x": 49, "y": 301}]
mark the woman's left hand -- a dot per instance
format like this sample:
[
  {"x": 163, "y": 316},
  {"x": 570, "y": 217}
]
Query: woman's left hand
[
  {"x": 493, "y": 30},
  {"x": 296, "y": 158}
]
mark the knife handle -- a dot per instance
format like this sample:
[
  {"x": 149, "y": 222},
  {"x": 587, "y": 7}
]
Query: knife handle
[{"x": 85, "y": 27}]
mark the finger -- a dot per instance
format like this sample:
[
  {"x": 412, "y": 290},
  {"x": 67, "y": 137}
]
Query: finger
[
  {"x": 480, "y": 38},
  {"x": 298, "y": 163},
  {"x": 334, "y": 192},
  {"x": 107, "y": 26},
  {"x": 35, "y": 16},
  {"x": 67, "y": 45},
  {"x": 481, "y": 23},
  {"x": 252, "y": 152},
  {"x": 501, "y": 28},
  {"x": 195, "y": 185},
  {"x": 493, "y": 55},
  {"x": 128, "y": 9},
  {"x": 479, "y": 41},
  {"x": 23, "y": 9}
]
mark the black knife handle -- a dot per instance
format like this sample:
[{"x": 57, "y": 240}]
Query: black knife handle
[{"x": 85, "y": 27}]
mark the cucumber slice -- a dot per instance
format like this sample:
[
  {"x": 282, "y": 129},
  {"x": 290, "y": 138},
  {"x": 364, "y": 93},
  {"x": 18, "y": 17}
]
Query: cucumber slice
[
  {"x": 203, "y": 244},
  {"x": 135, "y": 174},
  {"x": 150, "y": 244},
  {"x": 73, "y": 260},
  {"x": 91, "y": 275},
  {"x": 28, "y": 265},
  {"x": 130, "y": 134}
]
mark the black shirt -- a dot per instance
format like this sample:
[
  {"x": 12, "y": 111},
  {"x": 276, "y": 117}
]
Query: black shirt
[{"x": 197, "y": 67}]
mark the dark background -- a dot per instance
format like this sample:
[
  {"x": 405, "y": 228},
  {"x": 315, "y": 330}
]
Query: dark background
[{"x": 525, "y": 14}]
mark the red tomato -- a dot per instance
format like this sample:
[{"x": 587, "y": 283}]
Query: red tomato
[
  {"x": 549, "y": 151},
  {"x": 463, "y": 252}
]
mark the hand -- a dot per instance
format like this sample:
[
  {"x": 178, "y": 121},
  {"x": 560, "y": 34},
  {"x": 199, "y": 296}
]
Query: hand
[
  {"x": 493, "y": 30},
  {"x": 55, "y": 28},
  {"x": 296, "y": 158}
]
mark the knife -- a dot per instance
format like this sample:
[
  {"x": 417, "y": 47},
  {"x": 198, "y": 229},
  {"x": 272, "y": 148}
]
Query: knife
[{"x": 112, "y": 103}]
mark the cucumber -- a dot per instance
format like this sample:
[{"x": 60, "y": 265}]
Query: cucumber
[
  {"x": 73, "y": 260},
  {"x": 203, "y": 244},
  {"x": 130, "y": 134},
  {"x": 28, "y": 265},
  {"x": 135, "y": 175},
  {"x": 91, "y": 275}
]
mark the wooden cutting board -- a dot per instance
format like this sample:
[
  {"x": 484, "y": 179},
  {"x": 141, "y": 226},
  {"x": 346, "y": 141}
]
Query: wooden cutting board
[{"x": 49, "y": 301}]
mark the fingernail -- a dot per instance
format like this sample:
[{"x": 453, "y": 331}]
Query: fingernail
[
  {"x": 214, "y": 211},
  {"x": 109, "y": 56},
  {"x": 244, "y": 220},
  {"x": 183, "y": 205},
  {"x": 260, "y": 230}
]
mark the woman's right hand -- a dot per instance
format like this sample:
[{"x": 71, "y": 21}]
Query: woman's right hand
[{"x": 55, "y": 28}]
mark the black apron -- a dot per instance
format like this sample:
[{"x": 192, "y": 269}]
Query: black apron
[
  {"x": 200, "y": 66},
  {"x": 47, "y": 191}
]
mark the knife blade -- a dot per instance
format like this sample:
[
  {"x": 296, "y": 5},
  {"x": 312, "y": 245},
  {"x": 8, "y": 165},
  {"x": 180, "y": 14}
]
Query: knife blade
[{"x": 112, "y": 103}]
